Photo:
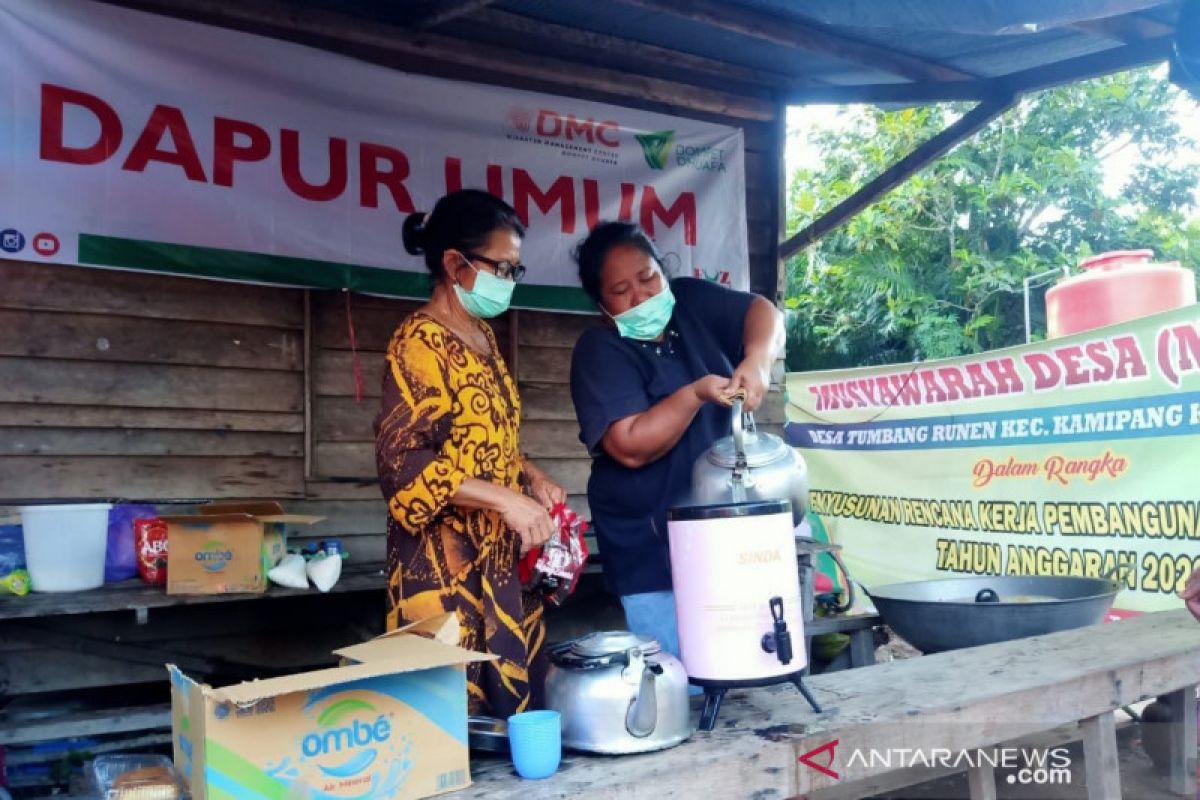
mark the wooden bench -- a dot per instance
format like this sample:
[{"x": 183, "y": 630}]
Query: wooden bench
[
  {"x": 957, "y": 701},
  {"x": 99, "y": 641},
  {"x": 138, "y": 597}
]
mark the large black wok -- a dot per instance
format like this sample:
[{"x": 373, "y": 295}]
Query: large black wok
[{"x": 964, "y": 612}]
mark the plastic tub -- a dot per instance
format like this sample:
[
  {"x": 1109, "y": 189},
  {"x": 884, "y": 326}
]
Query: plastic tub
[
  {"x": 1116, "y": 287},
  {"x": 65, "y": 545}
]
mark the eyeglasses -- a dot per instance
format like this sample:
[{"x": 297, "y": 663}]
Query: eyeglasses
[{"x": 505, "y": 270}]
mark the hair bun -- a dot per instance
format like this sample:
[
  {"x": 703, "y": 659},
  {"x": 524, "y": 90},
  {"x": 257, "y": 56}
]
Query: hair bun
[{"x": 413, "y": 234}]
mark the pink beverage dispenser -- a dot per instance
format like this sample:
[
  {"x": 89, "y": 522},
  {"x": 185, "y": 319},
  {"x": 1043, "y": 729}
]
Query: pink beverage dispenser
[
  {"x": 1116, "y": 287},
  {"x": 737, "y": 598}
]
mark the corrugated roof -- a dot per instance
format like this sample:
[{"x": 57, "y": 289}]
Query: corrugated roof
[
  {"x": 785, "y": 50},
  {"x": 988, "y": 39}
]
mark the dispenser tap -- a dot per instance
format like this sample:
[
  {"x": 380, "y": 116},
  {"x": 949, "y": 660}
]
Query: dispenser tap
[{"x": 780, "y": 641}]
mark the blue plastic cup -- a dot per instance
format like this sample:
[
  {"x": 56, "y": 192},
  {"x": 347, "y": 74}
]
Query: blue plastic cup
[{"x": 535, "y": 738}]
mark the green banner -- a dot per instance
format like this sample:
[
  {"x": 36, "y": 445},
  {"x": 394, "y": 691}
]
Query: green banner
[
  {"x": 208, "y": 262},
  {"x": 1069, "y": 457}
]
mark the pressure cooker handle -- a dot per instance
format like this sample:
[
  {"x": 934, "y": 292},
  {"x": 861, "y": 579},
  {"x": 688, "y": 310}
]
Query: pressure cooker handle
[
  {"x": 1118, "y": 572},
  {"x": 987, "y": 596}
]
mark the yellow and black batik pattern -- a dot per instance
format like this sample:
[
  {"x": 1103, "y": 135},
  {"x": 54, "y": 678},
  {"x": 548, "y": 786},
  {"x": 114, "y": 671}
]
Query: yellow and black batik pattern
[{"x": 450, "y": 413}]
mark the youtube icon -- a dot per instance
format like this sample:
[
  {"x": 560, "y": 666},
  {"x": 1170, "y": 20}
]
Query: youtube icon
[{"x": 45, "y": 244}]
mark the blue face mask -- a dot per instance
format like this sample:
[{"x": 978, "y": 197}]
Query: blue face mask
[
  {"x": 490, "y": 297},
  {"x": 648, "y": 319}
]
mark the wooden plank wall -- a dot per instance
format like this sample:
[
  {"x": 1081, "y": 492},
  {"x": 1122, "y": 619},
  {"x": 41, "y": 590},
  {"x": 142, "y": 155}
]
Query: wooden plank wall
[
  {"x": 342, "y": 484},
  {"x": 126, "y": 385}
]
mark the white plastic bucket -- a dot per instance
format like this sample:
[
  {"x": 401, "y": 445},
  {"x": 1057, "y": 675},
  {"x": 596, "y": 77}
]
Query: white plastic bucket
[{"x": 65, "y": 545}]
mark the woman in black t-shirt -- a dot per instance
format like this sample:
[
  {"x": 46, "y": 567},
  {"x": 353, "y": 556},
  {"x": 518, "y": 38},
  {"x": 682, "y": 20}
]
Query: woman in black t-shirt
[{"x": 651, "y": 390}]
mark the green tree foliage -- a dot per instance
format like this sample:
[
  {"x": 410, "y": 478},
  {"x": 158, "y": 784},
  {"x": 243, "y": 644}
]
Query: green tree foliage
[{"x": 935, "y": 268}]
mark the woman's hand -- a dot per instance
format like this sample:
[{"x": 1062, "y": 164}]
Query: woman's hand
[
  {"x": 763, "y": 338},
  {"x": 752, "y": 377},
  {"x": 713, "y": 389},
  {"x": 528, "y": 520},
  {"x": 546, "y": 491},
  {"x": 1191, "y": 594},
  {"x": 543, "y": 489}
]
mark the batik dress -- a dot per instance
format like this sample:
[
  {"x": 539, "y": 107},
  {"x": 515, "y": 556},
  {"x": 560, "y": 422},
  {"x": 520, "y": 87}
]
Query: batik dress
[{"x": 450, "y": 413}]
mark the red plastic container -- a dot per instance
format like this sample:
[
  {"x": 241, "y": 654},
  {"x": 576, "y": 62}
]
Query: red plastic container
[{"x": 1116, "y": 287}]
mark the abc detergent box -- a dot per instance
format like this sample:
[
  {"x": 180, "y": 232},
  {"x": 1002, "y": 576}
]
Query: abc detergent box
[
  {"x": 227, "y": 547},
  {"x": 390, "y": 724}
]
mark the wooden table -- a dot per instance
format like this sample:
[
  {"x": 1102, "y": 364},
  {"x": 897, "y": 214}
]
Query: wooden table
[{"x": 956, "y": 701}]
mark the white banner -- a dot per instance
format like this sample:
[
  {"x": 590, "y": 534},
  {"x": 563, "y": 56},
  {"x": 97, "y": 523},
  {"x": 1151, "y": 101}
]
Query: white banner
[{"x": 137, "y": 141}]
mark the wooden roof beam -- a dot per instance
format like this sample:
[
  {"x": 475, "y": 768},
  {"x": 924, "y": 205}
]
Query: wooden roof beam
[
  {"x": 1127, "y": 28},
  {"x": 1075, "y": 69},
  {"x": 1082, "y": 68},
  {"x": 605, "y": 44},
  {"x": 896, "y": 174},
  {"x": 915, "y": 93},
  {"x": 1006, "y": 91},
  {"x": 728, "y": 17},
  {"x": 279, "y": 18}
]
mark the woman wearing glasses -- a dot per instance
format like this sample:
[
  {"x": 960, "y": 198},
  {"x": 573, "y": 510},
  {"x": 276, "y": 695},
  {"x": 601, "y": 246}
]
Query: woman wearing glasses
[{"x": 464, "y": 503}]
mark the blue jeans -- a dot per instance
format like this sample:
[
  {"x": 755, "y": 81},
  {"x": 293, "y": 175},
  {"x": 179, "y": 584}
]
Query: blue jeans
[{"x": 653, "y": 614}]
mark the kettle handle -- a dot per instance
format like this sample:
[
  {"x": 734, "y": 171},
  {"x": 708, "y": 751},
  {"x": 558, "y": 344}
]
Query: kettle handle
[{"x": 739, "y": 433}]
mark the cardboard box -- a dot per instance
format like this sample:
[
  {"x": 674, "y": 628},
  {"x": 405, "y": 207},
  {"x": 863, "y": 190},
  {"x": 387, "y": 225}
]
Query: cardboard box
[
  {"x": 227, "y": 547},
  {"x": 390, "y": 723}
]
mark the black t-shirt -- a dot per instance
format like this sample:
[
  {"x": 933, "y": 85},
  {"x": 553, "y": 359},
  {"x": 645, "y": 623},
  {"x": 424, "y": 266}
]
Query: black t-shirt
[{"x": 613, "y": 378}]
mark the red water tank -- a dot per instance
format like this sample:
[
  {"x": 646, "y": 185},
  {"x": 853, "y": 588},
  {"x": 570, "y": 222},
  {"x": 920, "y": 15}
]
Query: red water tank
[{"x": 1116, "y": 287}]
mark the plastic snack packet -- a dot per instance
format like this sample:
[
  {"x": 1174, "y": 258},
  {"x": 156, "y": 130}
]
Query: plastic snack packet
[
  {"x": 553, "y": 569},
  {"x": 16, "y": 582}
]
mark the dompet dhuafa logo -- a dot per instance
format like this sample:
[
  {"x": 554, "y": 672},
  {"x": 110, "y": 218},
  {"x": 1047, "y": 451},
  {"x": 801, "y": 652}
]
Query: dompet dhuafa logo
[{"x": 656, "y": 147}]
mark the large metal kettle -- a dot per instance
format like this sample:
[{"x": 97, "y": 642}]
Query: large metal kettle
[
  {"x": 618, "y": 693},
  {"x": 750, "y": 465}
]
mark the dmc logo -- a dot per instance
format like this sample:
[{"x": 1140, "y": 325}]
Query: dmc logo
[
  {"x": 45, "y": 244},
  {"x": 12, "y": 241},
  {"x": 341, "y": 731},
  {"x": 214, "y": 556},
  {"x": 809, "y": 759},
  {"x": 551, "y": 125},
  {"x": 656, "y": 147},
  {"x": 520, "y": 118}
]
